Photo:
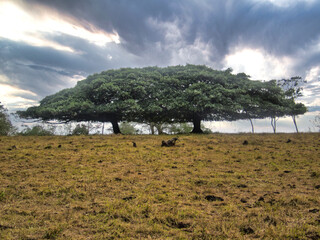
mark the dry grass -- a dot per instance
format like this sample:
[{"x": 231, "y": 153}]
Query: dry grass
[{"x": 206, "y": 187}]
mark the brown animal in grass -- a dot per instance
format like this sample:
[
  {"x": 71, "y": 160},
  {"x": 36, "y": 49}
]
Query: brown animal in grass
[{"x": 169, "y": 143}]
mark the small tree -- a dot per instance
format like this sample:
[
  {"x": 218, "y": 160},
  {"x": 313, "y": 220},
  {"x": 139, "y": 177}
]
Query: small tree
[
  {"x": 80, "y": 130},
  {"x": 272, "y": 103},
  {"x": 6, "y": 127},
  {"x": 180, "y": 128},
  {"x": 127, "y": 128},
  {"x": 316, "y": 122},
  {"x": 293, "y": 89},
  {"x": 295, "y": 109},
  {"x": 37, "y": 131}
]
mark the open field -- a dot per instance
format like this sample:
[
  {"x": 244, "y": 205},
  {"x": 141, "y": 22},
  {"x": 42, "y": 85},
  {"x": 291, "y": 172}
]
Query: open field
[{"x": 205, "y": 187}]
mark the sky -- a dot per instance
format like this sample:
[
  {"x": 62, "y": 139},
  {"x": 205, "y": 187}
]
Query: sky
[{"x": 49, "y": 45}]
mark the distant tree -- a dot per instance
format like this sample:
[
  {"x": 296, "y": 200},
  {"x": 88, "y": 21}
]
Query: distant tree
[
  {"x": 6, "y": 127},
  {"x": 294, "y": 110},
  {"x": 159, "y": 127},
  {"x": 37, "y": 130},
  {"x": 184, "y": 128},
  {"x": 316, "y": 122},
  {"x": 180, "y": 128},
  {"x": 293, "y": 89},
  {"x": 127, "y": 128},
  {"x": 152, "y": 127},
  {"x": 80, "y": 129},
  {"x": 272, "y": 103},
  {"x": 251, "y": 102}
]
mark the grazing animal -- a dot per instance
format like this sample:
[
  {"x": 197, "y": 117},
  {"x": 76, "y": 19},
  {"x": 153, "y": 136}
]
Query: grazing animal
[
  {"x": 245, "y": 142},
  {"x": 164, "y": 144},
  {"x": 289, "y": 140},
  {"x": 134, "y": 144},
  {"x": 169, "y": 143}
]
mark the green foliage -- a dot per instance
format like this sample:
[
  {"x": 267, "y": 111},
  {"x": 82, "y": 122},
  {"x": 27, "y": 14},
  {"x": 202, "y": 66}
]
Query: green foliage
[
  {"x": 6, "y": 127},
  {"x": 127, "y": 128},
  {"x": 292, "y": 90},
  {"x": 2, "y": 196},
  {"x": 176, "y": 94},
  {"x": 292, "y": 87},
  {"x": 37, "y": 131},
  {"x": 80, "y": 129}
]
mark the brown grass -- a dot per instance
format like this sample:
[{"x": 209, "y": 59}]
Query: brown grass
[{"x": 206, "y": 187}]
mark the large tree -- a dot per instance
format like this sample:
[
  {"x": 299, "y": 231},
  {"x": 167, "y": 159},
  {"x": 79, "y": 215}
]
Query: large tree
[
  {"x": 154, "y": 95},
  {"x": 194, "y": 93}
]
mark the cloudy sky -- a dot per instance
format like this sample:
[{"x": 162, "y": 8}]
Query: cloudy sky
[{"x": 48, "y": 45}]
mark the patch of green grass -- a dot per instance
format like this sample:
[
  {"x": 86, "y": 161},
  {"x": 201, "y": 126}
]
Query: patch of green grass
[{"x": 2, "y": 196}]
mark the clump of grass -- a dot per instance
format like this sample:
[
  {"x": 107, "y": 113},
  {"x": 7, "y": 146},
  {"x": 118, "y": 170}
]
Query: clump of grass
[
  {"x": 53, "y": 233},
  {"x": 2, "y": 196}
]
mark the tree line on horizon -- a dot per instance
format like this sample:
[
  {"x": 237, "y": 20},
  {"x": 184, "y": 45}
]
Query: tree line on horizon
[{"x": 175, "y": 94}]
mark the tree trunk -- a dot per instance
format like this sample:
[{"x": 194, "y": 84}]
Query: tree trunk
[
  {"x": 102, "y": 130},
  {"x": 197, "y": 125},
  {"x": 295, "y": 122},
  {"x": 159, "y": 128},
  {"x": 252, "y": 127},
  {"x": 115, "y": 127},
  {"x": 274, "y": 124},
  {"x": 152, "y": 128}
]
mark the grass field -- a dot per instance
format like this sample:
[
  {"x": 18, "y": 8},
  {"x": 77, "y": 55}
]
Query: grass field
[{"x": 205, "y": 187}]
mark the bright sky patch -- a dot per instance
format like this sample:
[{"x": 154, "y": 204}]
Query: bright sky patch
[
  {"x": 257, "y": 64},
  {"x": 18, "y": 25}
]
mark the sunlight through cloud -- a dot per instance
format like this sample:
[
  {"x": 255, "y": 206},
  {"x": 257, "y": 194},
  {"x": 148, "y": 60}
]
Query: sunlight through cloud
[
  {"x": 18, "y": 25},
  {"x": 257, "y": 64},
  {"x": 13, "y": 96},
  {"x": 286, "y": 3}
]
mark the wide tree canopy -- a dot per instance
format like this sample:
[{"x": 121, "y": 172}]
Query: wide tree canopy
[{"x": 190, "y": 93}]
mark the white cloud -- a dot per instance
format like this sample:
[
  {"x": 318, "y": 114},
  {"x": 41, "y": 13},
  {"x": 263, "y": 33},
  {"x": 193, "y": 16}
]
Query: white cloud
[
  {"x": 285, "y": 3},
  {"x": 18, "y": 25},
  {"x": 258, "y": 64},
  {"x": 311, "y": 90},
  {"x": 13, "y": 97},
  {"x": 313, "y": 74}
]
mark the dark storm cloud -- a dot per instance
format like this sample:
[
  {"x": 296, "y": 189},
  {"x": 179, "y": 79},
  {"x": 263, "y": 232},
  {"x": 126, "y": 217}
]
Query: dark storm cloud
[
  {"x": 127, "y": 18},
  {"x": 223, "y": 24},
  {"x": 161, "y": 32},
  {"x": 44, "y": 70}
]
